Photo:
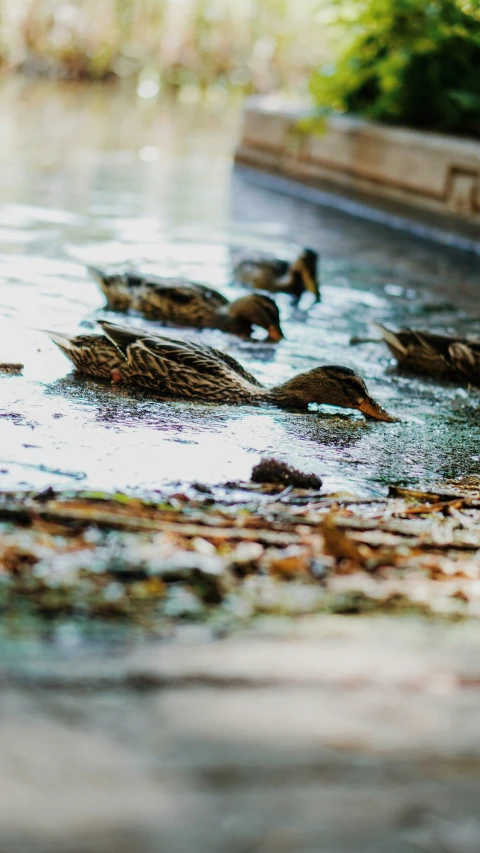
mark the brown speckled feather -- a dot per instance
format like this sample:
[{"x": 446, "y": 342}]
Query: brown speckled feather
[
  {"x": 440, "y": 356},
  {"x": 179, "y": 302},
  {"x": 182, "y": 368},
  {"x": 94, "y": 355},
  {"x": 276, "y": 275}
]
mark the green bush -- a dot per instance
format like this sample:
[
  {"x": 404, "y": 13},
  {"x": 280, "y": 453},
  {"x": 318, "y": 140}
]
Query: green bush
[{"x": 409, "y": 62}]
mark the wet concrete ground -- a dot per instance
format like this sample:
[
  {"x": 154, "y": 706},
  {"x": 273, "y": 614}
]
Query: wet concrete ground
[
  {"x": 346, "y": 736},
  {"x": 93, "y": 175},
  {"x": 323, "y": 734}
]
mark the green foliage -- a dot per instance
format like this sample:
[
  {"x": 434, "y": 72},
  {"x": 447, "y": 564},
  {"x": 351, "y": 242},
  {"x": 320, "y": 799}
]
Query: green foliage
[{"x": 410, "y": 62}]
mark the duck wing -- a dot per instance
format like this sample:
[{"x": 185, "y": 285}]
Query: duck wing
[
  {"x": 414, "y": 351},
  {"x": 175, "y": 371},
  {"x": 439, "y": 355},
  {"x": 465, "y": 360},
  {"x": 264, "y": 263},
  {"x": 261, "y": 273},
  {"x": 180, "y": 302},
  {"x": 170, "y": 299},
  {"x": 461, "y": 356},
  {"x": 233, "y": 364},
  {"x": 181, "y": 290},
  {"x": 178, "y": 289},
  {"x": 123, "y": 336},
  {"x": 181, "y": 368},
  {"x": 94, "y": 355}
]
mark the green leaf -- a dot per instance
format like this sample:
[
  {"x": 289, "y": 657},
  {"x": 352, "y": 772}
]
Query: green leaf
[{"x": 411, "y": 62}]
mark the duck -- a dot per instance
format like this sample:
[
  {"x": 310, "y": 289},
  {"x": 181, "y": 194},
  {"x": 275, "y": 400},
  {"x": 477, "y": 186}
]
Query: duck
[
  {"x": 177, "y": 369},
  {"x": 440, "y": 356},
  {"x": 184, "y": 303},
  {"x": 279, "y": 276}
]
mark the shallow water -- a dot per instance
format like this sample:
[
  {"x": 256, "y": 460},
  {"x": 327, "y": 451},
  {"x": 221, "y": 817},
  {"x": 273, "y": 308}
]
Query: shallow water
[{"x": 93, "y": 175}]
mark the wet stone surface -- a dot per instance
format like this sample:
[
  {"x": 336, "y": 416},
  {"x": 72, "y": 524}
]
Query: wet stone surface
[{"x": 94, "y": 176}]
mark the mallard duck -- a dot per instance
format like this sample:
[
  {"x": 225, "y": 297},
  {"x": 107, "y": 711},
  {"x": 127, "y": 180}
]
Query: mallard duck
[
  {"x": 279, "y": 276},
  {"x": 442, "y": 356},
  {"x": 185, "y": 303},
  {"x": 192, "y": 371}
]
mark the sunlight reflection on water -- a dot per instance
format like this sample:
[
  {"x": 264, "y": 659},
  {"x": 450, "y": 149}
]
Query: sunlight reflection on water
[{"x": 75, "y": 191}]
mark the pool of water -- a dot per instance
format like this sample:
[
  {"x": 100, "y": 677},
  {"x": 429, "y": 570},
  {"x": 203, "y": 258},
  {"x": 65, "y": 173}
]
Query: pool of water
[{"x": 93, "y": 175}]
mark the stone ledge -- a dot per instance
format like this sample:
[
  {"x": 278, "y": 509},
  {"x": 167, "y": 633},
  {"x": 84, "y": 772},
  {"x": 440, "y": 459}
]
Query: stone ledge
[{"x": 423, "y": 172}]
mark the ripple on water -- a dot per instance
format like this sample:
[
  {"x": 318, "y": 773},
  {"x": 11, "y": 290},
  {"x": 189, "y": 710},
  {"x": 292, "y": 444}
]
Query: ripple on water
[{"x": 181, "y": 213}]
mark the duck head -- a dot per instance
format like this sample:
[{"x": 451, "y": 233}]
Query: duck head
[
  {"x": 254, "y": 310},
  {"x": 333, "y": 385}
]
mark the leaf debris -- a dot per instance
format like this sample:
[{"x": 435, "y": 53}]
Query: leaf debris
[{"x": 246, "y": 549}]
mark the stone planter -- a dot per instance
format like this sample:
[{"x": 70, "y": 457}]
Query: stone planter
[{"x": 425, "y": 176}]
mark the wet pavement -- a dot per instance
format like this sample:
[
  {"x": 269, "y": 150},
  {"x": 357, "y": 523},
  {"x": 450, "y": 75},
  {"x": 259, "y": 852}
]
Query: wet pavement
[{"x": 92, "y": 175}]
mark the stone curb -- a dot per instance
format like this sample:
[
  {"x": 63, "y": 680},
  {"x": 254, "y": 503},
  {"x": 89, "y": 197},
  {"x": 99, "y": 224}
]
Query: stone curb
[{"x": 397, "y": 168}]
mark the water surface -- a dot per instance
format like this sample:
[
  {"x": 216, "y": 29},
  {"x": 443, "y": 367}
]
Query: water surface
[{"x": 92, "y": 175}]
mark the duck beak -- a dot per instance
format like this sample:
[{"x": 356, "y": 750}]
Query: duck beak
[
  {"x": 371, "y": 409},
  {"x": 275, "y": 334}
]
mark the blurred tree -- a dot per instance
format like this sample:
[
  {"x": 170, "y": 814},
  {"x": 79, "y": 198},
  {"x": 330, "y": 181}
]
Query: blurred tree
[
  {"x": 411, "y": 62},
  {"x": 254, "y": 45}
]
